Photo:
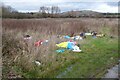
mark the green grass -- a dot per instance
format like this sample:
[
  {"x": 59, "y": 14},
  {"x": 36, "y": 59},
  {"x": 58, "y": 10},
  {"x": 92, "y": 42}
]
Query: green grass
[{"x": 98, "y": 55}]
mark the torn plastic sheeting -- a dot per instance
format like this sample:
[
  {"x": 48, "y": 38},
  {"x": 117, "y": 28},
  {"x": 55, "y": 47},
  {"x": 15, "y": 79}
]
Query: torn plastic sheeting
[
  {"x": 94, "y": 37},
  {"x": 45, "y": 42},
  {"x": 67, "y": 37},
  {"x": 72, "y": 46},
  {"x": 76, "y": 49},
  {"x": 78, "y": 38},
  {"x": 27, "y": 37},
  {"x": 38, "y": 43},
  {"x": 60, "y": 50},
  {"x": 68, "y": 45},
  {"x": 87, "y": 34},
  {"x": 63, "y": 44},
  {"x": 72, "y": 38},
  {"x": 82, "y": 34},
  {"x": 38, "y": 63},
  {"x": 100, "y": 35}
]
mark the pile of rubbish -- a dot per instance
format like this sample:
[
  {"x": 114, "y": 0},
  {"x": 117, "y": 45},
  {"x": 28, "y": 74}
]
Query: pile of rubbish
[
  {"x": 70, "y": 44},
  {"x": 83, "y": 35},
  {"x": 27, "y": 37},
  {"x": 40, "y": 42}
]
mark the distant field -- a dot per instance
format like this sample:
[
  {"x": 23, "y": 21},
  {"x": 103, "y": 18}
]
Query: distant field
[
  {"x": 61, "y": 25},
  {"x": 98, "y": 54}
]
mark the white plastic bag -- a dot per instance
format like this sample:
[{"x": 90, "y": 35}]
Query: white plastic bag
[{"x": 76, "y": 49}]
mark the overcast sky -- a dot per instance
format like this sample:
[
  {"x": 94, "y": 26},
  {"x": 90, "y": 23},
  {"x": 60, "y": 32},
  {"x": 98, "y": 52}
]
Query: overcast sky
[{"x": 65, "y": 5}]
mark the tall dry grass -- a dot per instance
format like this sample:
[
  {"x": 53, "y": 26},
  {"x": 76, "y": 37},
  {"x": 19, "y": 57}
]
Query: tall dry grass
[
  {"x": 60, "y": 26},
  {"x": 17, "y": 52}
]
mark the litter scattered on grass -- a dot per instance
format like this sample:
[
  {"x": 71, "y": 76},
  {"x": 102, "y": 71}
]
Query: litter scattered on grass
[
  {"x": 67, "y": 37},
  {"x": 88, "y": 34},
  {"x": 60, "y": 50},
  {"x": 38, "y": 43},
  {"x": 45, "y": 42},
  {"x": 100, "y": 35},
  {"x": 37, "y": 62},
  {"x": 78, "y": 38},
  {"x": 27, "y": 37},
  {"x": 69, "y": 45},
  {"x": 76, "y": 49}
]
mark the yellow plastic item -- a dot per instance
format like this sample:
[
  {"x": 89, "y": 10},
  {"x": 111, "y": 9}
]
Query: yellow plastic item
[{"x": 63, "y": 44}]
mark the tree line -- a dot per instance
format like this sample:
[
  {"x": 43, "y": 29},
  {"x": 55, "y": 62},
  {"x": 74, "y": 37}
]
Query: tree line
[
  {"x": 53, "y": 11},
  {"x": 44, "y": 12},
  {"x": 49, "y": 12}
]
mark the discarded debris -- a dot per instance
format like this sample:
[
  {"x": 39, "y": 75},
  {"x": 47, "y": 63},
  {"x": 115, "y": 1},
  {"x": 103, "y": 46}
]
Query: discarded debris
[
  {"x": 100, "y": 35},
  {"x": 82, "y": 35},
  {"x": 63, "y": 44},
  {"x": 27, "y": 37},
  {"x": 60, "y": 50},
  {"x": 45, "y": 42},
  {"x": 76, "y": 49},
  {"x": 78, "y": 38},
  {"x": 69, "y": 45},
  {"x": 88, "y": 34},
  {"x": 37, "y": 62},
  {"x": 38, "y": 43},
  {"x": 67, "y": 37}
]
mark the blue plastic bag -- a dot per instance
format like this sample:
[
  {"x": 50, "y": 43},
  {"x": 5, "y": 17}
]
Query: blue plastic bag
[
  {"x": 70, "y": 45},
  {"x": 60, "y": 50},
  {"x": 67, "y": 37}
]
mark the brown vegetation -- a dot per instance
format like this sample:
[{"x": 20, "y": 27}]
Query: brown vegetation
[
  {"x": 60, "y": 26},
  {"x": 19, "y": 53}
]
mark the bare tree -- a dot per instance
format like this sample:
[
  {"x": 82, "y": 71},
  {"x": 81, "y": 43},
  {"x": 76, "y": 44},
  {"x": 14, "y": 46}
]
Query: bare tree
[
  {"x": 42, "y": 9},
  {"x": 52, "y": 9},
  {"x": 55, "y": 10},
  {"x": 48, "y": 10}
]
